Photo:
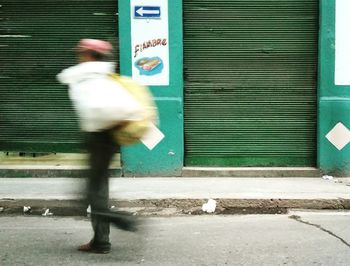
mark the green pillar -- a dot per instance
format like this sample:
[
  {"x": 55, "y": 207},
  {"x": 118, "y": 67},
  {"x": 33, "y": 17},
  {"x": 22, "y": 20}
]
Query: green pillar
[
  {"x": 334, "y": 98},
  {"x": 166, "y": 159}
]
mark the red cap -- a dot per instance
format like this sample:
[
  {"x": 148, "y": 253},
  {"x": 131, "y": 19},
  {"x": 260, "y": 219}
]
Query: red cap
[{"x": 99, "y": 46}]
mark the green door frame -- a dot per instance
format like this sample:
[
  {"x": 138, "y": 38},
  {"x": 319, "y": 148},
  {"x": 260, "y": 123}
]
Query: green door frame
[{"x": 333, "y": 100}]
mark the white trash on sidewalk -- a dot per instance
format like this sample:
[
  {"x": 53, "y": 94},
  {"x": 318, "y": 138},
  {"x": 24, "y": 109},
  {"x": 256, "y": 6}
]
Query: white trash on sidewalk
[
  {"x": 27, "y": 209},
  {"x": 210, "y": 206},
  {"x": 328, "y": 177},
  {"x": 47, "y": 213}
]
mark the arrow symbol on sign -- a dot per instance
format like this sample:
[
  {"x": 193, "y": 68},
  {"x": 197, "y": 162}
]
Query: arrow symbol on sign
[{"x": 142, "y": 12}]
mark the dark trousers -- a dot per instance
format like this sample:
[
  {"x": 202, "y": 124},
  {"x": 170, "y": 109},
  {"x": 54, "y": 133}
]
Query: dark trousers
[{"x": 101, "y": 148}]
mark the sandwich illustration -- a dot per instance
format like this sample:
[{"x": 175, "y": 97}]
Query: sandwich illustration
[{"x": 149, "y": 66}]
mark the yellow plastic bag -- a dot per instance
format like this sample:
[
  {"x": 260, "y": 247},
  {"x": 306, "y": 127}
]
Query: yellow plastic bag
[{"x": 131, "y": 131}]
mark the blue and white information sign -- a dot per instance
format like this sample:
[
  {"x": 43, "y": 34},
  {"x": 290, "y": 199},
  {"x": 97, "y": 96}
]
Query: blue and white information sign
[{"x": 147, "y": 12}]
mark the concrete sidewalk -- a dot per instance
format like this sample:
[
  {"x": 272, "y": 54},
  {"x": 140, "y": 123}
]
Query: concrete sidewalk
[{"x": 179, "y": 195}]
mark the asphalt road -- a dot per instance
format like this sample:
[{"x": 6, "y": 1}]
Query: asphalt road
[{"x": 298, "y": 238}]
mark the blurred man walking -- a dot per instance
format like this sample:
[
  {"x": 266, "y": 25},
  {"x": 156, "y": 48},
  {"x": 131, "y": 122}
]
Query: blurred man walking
[{"x": 95, "y": 95}]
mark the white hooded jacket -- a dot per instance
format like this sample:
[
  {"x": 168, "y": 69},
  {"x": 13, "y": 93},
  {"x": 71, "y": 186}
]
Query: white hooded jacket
[{"x": 101, "y": 103}]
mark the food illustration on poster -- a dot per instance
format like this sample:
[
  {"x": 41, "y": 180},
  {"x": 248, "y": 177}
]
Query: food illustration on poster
[{"x": 149, "y": 66}]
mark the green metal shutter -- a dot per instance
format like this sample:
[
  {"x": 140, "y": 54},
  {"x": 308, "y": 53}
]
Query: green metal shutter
[
  {"x": 250, "y": 82},
  {"x": 36, "y": 42}
]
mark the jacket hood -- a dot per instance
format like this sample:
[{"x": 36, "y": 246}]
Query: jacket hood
[{"x": 84, "y": 71}]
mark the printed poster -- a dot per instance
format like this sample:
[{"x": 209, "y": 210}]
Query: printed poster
[
  {"x": 150, "y": 42},
  {"x": 342, "y": 43}
]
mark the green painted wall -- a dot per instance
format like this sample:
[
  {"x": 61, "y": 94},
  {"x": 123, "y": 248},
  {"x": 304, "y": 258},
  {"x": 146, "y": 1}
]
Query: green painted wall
[
  {"x": 334, "y": 101},
  {"x": 166, "y": 159}
]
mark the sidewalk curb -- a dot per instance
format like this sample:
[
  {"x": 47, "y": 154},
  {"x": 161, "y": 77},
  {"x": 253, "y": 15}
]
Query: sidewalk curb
[
  {"x": 75, "y": 207},
  {"x": 45, "y": 172},
  {"x": 42, "y": 171},
  {"x": 251, "y": 172}
]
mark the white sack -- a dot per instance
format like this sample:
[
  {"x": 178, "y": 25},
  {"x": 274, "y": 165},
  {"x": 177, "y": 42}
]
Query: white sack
[{"x": 100, "y": 102}]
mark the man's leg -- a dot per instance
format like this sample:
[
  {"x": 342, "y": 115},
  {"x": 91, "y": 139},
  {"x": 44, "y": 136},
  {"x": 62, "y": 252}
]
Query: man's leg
[{"x": 101, "y": 148}]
